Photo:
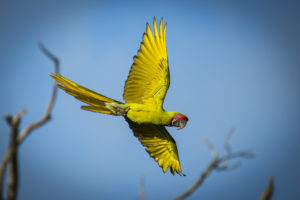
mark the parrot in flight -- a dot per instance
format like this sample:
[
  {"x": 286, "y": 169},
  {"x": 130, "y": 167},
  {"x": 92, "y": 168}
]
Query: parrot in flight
[{"x": 144, "y": 93}]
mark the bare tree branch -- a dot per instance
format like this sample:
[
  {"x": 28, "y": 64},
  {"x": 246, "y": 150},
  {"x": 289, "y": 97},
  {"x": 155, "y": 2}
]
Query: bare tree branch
[
  {"x": 203, "y": 176},
  {"x": 212, "y": 149},
  {"x": 217, "y": 163},
  {"x": 142, "y": 189},
  {"x": 46, "y": 116},
  {"x": 13, "y": 122},
  {"x": 17, "y": 139},
  {"x": 268, "y": 193}
]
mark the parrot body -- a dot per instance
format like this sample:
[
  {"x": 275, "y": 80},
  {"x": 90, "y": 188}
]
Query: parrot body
[
  {"x": 147, "y": 114},
  {"x": 144, "y": 93}
]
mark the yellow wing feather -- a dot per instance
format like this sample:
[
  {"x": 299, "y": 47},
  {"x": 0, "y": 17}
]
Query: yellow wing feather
[
  {"x": 159, "y": 144},
  {"x": 149, "y": 79}
]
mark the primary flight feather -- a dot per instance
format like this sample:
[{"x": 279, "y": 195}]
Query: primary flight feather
[{"x": 144, "y": 93}]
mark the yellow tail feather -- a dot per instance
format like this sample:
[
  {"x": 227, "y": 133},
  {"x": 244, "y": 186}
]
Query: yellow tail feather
[{"x": 97, "y": 102}]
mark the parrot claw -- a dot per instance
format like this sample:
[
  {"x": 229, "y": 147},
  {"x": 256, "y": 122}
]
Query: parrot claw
[{"x": 121, "y": 111}]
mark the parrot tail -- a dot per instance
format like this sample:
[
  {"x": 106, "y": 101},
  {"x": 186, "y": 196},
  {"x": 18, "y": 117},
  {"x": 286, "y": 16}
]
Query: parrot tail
[{"x": 97, "y": 102}]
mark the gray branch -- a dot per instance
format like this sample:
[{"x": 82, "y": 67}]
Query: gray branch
[
  {"x": 142, "y": 195},
  {"x": 17, "y": 139},
  {"x": 13, "y": 122},
  {"x": 268, "y": 193},
  {"x": 218, "y": 163}
]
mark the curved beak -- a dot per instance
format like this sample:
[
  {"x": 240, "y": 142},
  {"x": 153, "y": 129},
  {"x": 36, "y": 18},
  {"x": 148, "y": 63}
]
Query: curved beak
[{"x": 182, "y": 124}]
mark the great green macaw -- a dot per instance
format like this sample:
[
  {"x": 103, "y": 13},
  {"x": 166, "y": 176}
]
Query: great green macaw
[{"x": 144, "y": 94}]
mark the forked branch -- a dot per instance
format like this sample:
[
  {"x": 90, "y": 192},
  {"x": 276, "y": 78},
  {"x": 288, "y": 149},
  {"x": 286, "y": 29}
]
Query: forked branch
[
  {"x": 218, "y": 163},
  {"x": 11, "y": 156}
]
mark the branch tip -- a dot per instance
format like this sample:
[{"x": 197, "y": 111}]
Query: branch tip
[
  {"x": 48, "y": 53},
  {"x": 8, "y": 118},
  {"x": 211, "y": 148},
  {"x": 268, "y": 193}
]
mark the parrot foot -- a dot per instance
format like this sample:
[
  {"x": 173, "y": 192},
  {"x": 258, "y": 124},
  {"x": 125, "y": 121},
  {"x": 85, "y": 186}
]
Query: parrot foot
[
  {"x": 117, "y": 109},
  {"x": 121, "y": 111}
]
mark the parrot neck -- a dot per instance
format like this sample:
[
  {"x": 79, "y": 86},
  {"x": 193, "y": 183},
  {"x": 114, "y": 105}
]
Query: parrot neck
[{"x": 167, "y": 117}]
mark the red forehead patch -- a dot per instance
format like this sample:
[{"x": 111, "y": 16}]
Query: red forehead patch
[
  {"x": 180, "y": 116},
  {"x": 184, "y": 117}
]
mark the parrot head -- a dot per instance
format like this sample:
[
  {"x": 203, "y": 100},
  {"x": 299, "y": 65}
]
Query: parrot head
[{"x": 179, "y": 120}]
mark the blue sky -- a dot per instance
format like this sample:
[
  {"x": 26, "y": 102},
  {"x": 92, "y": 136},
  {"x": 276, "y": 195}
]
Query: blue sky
[{"x": 232, "y": 65}]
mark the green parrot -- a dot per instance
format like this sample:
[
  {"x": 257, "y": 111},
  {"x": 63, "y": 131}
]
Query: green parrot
[{"x": 144, "y": 93}]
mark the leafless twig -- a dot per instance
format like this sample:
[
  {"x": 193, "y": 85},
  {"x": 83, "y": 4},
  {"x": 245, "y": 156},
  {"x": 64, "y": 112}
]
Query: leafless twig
[
  {"x": 17, "y": 139},
  {"x": 47, "y": 115},
  {"x": 13, "y": 122},
  {"x": 267, "y": 195},
  {"x": 142, "y": 189},
  {"x": 218, "y": 163},
  {"x": 214, "y": 163}
]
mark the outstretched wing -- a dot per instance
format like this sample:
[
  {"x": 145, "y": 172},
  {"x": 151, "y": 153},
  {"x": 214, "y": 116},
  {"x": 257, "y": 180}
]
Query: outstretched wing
[
  {"x": 149, "y": 78},
  {"x": 159, "y": 144}
]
